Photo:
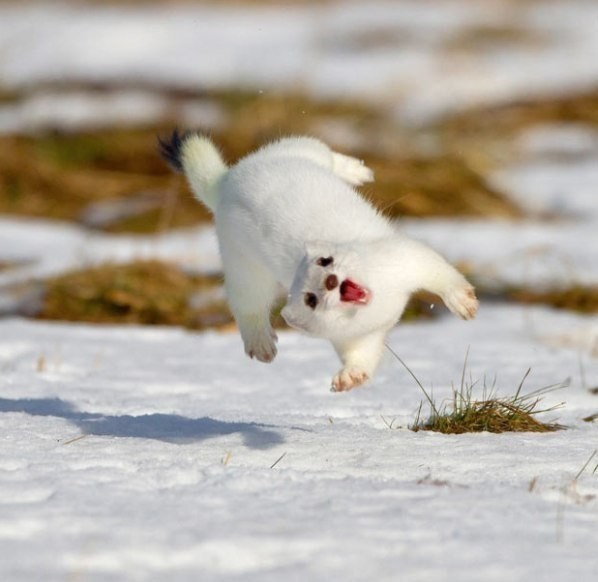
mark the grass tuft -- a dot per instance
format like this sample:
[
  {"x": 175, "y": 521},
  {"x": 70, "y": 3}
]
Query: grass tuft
[
  {"x": 141, "y": 292},
  {"x": 496, "y": 415},
  {"x": 463, "y": 413}
]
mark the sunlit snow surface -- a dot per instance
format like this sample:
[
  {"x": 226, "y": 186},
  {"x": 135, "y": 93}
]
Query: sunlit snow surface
[
  {"x": 178, "y": 476},
  {"x": 402, "y": 53}
]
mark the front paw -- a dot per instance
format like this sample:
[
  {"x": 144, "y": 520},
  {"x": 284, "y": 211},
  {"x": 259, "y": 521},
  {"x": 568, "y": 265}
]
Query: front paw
[
  {"x": 262, "y": 345},
  {"x": 462, "y": 301},
  {"x": 348, "y": 378}
]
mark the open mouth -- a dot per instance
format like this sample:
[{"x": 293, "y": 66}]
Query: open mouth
[{"x": 351, "y": 292}]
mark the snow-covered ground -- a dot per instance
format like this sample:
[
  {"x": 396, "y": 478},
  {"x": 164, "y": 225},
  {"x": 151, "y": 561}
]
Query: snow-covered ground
[
  {"x": 142, "y": 454},
  {"x": 417, "y": 59},
  {"x": 154, "y": 453}
]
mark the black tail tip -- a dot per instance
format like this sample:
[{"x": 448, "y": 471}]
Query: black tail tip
[{"x": 171, "y": 149}]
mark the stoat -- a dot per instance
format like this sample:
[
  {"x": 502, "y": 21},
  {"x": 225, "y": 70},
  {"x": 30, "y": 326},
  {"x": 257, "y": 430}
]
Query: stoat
[{"x": 288, "y": 215}]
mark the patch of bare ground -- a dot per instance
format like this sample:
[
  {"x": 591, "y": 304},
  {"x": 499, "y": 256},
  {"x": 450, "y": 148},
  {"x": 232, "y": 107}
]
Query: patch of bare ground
[
  {"x": 67, "y": 175},
  {"x": 151, "y": 292},
  {"x": 510, "y": 118},
  {"x": 59, "y": 176},
  {"x": 576, "y": 298},
  {"x": 142, "y": 292},
  {"x": 441, "y": 185},
  {"x": 491, "y": 36}
]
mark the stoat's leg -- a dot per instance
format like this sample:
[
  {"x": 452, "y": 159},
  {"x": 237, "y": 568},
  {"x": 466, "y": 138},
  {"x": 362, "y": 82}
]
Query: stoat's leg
[
  {"x": 429, "y": 271},
  {"x": 454, "y": 290},
  {"x": 351, "y": 170},
  {"x": 360, "y": 358},
  {"x": 251, "y": 291}
]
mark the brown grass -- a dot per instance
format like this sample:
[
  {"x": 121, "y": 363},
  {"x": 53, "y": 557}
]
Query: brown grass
[
  {"x": 155, "y": 292},
  {"x": 465, "y": 414},
  {"x": 484, "y": 37},
  {"x": 444, "y": 185},
  {"x": 513, "y": 117},
  {"x": 142, "y": 292},
  {"x": 152, "y": 293},
  {"x": 59, "y": 175},
  {"x": 576, "y": 298},
  {"x": 6, "y": 265},
  {"x": 494, "y": 415}
]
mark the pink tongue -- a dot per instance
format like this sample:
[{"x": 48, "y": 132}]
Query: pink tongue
[{"x": 352, "y": 292}]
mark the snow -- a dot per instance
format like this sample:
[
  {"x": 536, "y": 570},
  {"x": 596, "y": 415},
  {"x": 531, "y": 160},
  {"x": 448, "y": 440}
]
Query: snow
[
  {"x": 558, "y": 139},
  {"x": 566, "y": 186},
  {"x": 526, "y": 253},
  {"x": 81, "y": 110},
  {"x": 145, "y": 453},
  {"x": 42, "y": 248},
  {"x": 393, "y": 53}
]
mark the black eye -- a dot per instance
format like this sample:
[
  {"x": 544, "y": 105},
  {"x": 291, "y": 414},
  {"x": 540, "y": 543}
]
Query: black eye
[
  {"x": 325, "y": 261},
  {"x": 311, "y": 300}
]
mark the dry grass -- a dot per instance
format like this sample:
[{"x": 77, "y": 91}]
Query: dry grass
[
  {"x": 487, "y": 37},
  {"x": 464, "y": 414},
  {"x": 443, "y": 185},
  {"x": 575, "y": 298},
  {"x": 142, "y": 292},
  {"x": 152, "y": 293},
  {"x": 486, "y": 138},
  {"x": 513, "y": 117},
  {"x": 148, "y": 292},
  {"x": 63, "y": 175},
  {"x": 59, "y": 175},
  {"x": 257, "y": 118},
  {"x": 408, "y": 184},
  {"x": 6, "y": 265},
  {"x": 496, "y": 415}
]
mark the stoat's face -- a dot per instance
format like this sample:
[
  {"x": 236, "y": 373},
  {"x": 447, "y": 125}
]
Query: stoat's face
[{"x": 327, "y": 293}]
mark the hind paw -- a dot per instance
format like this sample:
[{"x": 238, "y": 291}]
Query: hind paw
[
  {"x": 261, "y": 344},
  {"x": 352, "y": 170}
]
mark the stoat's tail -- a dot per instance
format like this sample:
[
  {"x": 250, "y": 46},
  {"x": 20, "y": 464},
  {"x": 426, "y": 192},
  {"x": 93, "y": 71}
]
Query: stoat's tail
[{"x": 197, "y": 157}]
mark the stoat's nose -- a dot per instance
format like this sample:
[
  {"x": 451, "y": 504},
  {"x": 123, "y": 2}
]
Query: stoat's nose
[{"x": 331, "y": 282}]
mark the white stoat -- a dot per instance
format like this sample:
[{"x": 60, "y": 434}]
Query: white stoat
[{"x": 288, "y": 215}]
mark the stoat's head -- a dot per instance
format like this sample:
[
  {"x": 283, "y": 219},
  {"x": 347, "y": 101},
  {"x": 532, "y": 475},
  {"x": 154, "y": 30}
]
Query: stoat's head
[{"x": 328, "y": 292}]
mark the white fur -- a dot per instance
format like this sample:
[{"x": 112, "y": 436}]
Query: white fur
[{"x": 282, "y": 209}]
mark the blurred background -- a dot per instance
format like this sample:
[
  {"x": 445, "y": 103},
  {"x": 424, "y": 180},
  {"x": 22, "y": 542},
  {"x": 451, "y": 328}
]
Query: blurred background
[{"x": 479, "y": 118}]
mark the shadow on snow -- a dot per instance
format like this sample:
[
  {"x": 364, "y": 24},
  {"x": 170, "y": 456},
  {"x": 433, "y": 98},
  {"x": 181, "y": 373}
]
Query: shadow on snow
[{"x": 165, "y": 427}]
